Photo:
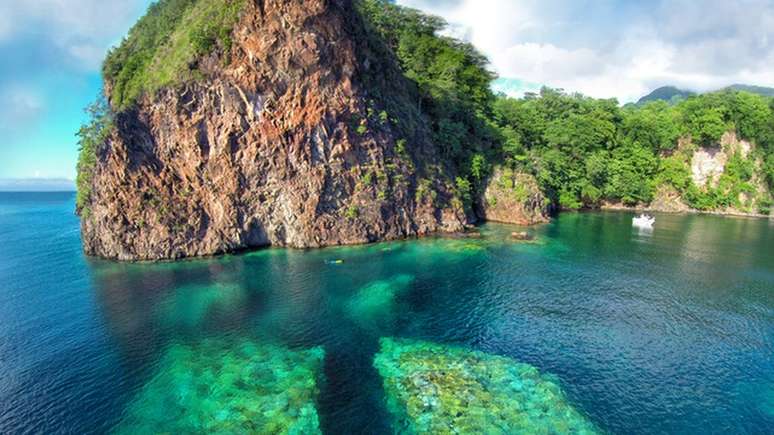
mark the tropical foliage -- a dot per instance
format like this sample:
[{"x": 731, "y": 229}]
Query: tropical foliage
[
  {"x": 452, "y": 84},
  {"x": 162, "y": 48},
  {"x": 584, "y": 150},
  {"x": 91, "y": 137}
]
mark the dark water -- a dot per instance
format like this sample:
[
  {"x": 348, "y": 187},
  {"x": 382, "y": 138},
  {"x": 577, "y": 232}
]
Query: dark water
[{"x": 663, "y": 332}]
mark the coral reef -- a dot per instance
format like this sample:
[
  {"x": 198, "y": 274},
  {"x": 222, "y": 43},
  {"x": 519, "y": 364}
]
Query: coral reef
[
  {"x": 219, "y": 386},
  {"x": 441, "y": 389}
]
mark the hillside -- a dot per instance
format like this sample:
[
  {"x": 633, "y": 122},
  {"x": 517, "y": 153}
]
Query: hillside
[
  {"x": 674, "y": 95},
  {"x": 669, "y": 94},
  {"x": 759, "y": 90},
  {"x": 229, "y": 125}
]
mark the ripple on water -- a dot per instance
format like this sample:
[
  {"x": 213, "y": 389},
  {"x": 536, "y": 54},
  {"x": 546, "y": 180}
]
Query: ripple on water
[{"x": 669, "y": 332}]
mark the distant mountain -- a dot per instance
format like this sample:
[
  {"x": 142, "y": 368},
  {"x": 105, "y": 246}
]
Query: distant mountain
[
  {"x": 760, "y": 90},
  {"x": 674, "y": 95},
  {"x": 669, "y": 94}
]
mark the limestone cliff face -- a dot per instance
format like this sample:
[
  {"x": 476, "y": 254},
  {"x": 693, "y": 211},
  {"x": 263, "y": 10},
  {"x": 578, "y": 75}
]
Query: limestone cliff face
[
  {"x": 708, "y": 164},
  {"x": 283, "y": 146},
  {"x": 513, "y": 198}
]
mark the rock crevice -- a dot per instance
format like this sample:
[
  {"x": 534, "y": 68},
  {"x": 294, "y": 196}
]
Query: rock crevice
[{"x": 279, "y": 146}]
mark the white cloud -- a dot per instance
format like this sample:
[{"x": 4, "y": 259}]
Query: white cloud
[
  {"x": 82, "y": 28},
  {"x": 20, "y": 107},
  {"x": 618, "y": 48},
  {"x": 5, "y": 24}
]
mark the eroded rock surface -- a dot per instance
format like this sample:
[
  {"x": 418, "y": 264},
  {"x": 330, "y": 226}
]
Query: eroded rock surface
[
  {"x": 709, "y": 163},
  {"x": 285, "y": 145},
  {"x": 514, "y": 198}
]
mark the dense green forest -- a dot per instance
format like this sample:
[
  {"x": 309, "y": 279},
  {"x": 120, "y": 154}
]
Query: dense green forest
[
  {"x": 584, "y": 150},
  {"x": 581, "y": 150}
]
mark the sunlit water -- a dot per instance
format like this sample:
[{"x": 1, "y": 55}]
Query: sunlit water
[{"x": 670, "y": 331}]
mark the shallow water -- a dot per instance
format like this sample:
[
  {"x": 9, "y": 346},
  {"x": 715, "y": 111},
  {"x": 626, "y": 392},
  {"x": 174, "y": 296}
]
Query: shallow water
[{"x": 664, "y": 332}]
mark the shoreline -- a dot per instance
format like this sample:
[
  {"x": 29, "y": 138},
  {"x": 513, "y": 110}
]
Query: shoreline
[
  {"x": 471, "y": 232},
  {"x": 615, "y": 207}
]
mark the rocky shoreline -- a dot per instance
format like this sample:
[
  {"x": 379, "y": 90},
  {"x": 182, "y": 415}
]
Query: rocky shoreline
[{"x": 729, "y": 213}]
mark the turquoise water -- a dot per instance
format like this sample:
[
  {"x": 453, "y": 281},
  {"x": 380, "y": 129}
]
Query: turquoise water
[{"x": 629, "y": 332}]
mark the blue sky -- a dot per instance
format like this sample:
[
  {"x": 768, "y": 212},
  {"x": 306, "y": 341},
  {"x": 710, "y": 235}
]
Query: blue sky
[{"x": 50, "y": 52}]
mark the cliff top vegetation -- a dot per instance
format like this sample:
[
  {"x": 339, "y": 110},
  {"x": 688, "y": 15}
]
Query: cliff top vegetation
[{"x": 163, "y": 46}]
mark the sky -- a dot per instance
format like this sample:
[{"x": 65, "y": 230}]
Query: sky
[{"x": 50, "y": 53}]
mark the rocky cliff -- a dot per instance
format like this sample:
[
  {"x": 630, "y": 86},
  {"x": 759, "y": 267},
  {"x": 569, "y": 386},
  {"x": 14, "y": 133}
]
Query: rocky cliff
[
  {"x": 284, "y": 138},
  {"x": 513, "y": 198},
  {"x": 731, "y": 168}
]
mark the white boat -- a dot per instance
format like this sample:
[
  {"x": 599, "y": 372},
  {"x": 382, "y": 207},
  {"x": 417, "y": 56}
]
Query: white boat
[{"x": 644, "y": 221}]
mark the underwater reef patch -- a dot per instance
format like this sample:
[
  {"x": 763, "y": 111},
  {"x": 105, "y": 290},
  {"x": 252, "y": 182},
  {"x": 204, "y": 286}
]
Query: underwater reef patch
[
  {"x": 376, "y": 300},
  {"x": 440, "y": 389},
  {"x": 224, "y": 387},
  {"x": 188, "y": 306}
]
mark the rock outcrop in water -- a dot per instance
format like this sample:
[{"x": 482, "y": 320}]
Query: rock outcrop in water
[
  {"x": 514, "y": 198},
  {"x": 288, "y": 143}
]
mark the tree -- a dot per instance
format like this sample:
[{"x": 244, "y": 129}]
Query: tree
[
  {"x": 631, "y": 171},
  {"x": 91, "y": 137},
  {"x": 654, "y": 125}
]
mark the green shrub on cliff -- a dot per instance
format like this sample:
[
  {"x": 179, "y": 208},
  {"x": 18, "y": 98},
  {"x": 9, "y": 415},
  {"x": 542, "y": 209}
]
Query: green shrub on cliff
[
  {"x": 674, "y": 171},
  {"x": 451, "y": 80},
  {"x": 91, "y": 136},
  {"x": 769, "y": 170},
  {"x": 162, "y": 48},
  {"x": 733, "y": 186}
]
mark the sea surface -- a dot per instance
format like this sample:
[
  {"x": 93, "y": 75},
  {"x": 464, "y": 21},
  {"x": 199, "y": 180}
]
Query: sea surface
[{"x": 669, "y": 331}]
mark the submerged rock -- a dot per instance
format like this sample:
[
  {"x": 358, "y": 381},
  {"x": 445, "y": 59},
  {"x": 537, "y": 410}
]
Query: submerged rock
[
  {"x": 434, "y": 388},
  {"x": 377, "y": 299},
  {"x": 522, "y": 235},
  {"x": 227, "y": 387}
]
